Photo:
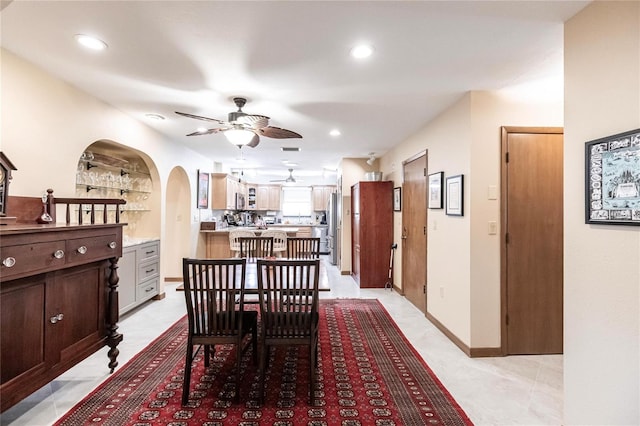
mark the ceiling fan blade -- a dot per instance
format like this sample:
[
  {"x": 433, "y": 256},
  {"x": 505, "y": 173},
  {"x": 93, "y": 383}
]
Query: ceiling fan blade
[
  {"x": 277, "y": 133},
  {"x": 254, "y": 141},
  {"x": 208, "y": 132},
  {"x": 254, "y": 121},
  {"x": 199, "y": 117}
]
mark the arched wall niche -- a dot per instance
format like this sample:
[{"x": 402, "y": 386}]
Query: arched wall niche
[{"x": 109, "y": 169}]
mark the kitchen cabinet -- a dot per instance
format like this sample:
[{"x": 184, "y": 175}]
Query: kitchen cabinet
[
  {"x": 269, "y": 197},
  {"x": 58, "y": 301},
  {"x": 223, "y": 191},
  {"x": 139, "y": 270},
  {"x": 321, "y": 195},
  {"x": 252, "y": 197},
  {"x": 371, "y": 232}
]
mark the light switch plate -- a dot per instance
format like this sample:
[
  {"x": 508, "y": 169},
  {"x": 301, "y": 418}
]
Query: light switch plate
[{"x": 493, "y": 192}]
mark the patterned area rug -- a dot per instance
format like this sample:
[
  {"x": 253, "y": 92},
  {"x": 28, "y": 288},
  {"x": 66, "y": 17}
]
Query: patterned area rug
[{"x": 368, "y": 374}]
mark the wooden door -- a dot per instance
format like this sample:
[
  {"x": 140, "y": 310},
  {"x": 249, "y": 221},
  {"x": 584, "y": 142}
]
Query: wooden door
[
  {"x": 532, "y": 247},
  {"x": 355, "y": 233},
  {"x": 414, "y": 231}
]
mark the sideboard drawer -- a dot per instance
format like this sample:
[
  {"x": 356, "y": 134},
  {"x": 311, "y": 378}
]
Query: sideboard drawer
[
  {"x": 98, "y": 247},
  {"x": 31, "y": 258}
]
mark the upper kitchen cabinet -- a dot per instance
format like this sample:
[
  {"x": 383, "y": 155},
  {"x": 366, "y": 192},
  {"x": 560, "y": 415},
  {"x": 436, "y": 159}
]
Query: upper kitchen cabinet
[
  {"x": 268, "y": 197},
  {"x": 110, "y": 170},
  {"x": 224, "y": 188},
  {"x": 321, "y": 195}
]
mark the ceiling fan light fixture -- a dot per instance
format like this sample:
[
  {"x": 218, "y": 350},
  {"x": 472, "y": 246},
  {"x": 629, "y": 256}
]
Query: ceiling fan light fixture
[{"x": 239, "y": 137}]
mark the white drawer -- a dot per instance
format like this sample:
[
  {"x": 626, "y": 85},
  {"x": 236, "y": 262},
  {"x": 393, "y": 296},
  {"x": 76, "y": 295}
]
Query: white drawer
[
  {"x": 148, "y": 251},
  {"x": 147, "y": 290},
  {"x": 148, "y": 270}
]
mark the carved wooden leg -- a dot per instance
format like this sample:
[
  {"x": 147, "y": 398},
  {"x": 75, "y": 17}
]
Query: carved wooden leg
[{"x": 113, "y": 337}]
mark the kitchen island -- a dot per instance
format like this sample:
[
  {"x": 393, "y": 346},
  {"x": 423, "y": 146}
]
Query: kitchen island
[{"x": 217, "y": 241}]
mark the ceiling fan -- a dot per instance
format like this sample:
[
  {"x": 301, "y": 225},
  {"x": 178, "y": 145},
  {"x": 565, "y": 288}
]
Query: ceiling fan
[
  {"x": 289, "y": 179},
  {"x": 243, "y": 129}
]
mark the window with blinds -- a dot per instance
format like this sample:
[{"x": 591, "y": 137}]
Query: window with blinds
[{"x": 296, "y": 201}]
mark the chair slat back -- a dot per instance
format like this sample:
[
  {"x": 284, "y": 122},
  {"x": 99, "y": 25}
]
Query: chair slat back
[
  {"x": 235, "y": 235},
  {"x": 279, "y": 239},
  {"x": 288, "y": 291},
  {"x": 303, "y": 248},
  {"x": 253, "y": 248},
  {"x": 211, "y": 288}
]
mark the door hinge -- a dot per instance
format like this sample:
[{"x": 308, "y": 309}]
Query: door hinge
[
  {"x": 424, "y": 230},
  {"x": 506, "y": 157},
  {"x": 424, "y": 172},
  {"x": 506, "y": 238},
  {"x": 506, "y": 319},
  {"x": 424, "y": 289}
]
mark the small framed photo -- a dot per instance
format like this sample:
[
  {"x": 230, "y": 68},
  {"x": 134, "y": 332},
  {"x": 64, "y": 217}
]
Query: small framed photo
[
  {"x": 397, "y": 199},
  {"x": 203, "y": 190},
  {"x": 435, "y": 190},
  {"x": 612, "y": 174},
  {"x": 455, "y": 195}
]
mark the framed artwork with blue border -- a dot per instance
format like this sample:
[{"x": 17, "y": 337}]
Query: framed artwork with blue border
[{"x": 612, "y": 179}]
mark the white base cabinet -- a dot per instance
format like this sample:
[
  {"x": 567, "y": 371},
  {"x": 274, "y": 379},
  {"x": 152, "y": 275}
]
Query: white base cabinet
[{"x": 139, "y": 272}]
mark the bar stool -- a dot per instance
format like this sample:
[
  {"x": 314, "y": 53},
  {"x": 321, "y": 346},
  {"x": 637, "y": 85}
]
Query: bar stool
[{"x": 234, "y": 239}]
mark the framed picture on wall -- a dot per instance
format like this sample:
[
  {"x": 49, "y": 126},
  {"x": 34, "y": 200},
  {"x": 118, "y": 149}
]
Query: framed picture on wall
[
  {"x": 612, "y": 179},
  {"x": 397, "y": 199},
  {"x": 203, "y": 190},
  {"x": 435, "y": 190},
  {"x": 455, "y": 195}
]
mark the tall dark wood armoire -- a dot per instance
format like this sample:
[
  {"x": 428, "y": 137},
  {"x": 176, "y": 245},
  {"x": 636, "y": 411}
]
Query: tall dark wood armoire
[{"x": 371, "y": 232}]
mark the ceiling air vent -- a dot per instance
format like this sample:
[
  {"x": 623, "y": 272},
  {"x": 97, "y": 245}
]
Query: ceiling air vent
[{"x": 290, "y": 149}]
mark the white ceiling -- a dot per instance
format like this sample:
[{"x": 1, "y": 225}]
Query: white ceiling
[{"x": 291, "y": 60}]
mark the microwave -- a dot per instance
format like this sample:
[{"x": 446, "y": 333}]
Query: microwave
[{"x": 240, "y": 201}]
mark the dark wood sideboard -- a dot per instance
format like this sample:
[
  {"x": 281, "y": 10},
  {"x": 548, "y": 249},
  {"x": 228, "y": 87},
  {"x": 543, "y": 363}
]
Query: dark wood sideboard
[{"x": 58, "y": 301}]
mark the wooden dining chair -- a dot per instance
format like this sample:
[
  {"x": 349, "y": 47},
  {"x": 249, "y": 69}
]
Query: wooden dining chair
[
  {"x": 214, "y": 294},
  {"x": 288, "y": 294},
  {"x": 303, "y": 248},
  {"x": 253, "y": 248}
]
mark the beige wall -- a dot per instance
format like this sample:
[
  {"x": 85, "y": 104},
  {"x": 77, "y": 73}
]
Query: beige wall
[
  {"x": 463, "y": 260},
  {"x": 47, "y": 124},
  {"x": 602, "y": 263}
]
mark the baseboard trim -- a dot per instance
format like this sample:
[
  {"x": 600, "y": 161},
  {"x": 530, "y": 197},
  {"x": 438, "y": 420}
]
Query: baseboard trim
[
  {"x": 160, "y": 296},
  {"x": 173, "y": 279},
  {"x": 345, "y": 272},
  {"x": 471, "y": 352}
]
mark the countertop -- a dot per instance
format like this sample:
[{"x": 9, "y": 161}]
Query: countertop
[{"x": 252, "y": 228}]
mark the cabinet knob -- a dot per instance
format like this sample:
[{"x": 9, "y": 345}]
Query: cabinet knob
[
  {"x": 58, "y": 254},
  {"x": 54, "y": 319},
  {"x": 9, "y": 261},
  {"x": 113, "y": 244},
  {"x": 82, "y": 249}
]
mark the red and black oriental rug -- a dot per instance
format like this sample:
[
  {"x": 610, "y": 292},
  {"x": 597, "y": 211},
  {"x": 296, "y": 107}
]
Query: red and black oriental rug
[{"x": 368, "y": 374}]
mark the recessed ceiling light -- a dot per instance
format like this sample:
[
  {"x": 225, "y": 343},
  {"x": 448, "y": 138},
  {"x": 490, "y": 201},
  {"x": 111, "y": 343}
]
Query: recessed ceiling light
[
  {"x": 157, "y": 117},
  {"x": 362, "y": 51},
  {"x": 201, "y": 129},
  {"x": 90, "y": 42},
  {"x": 335, "y": 132}
]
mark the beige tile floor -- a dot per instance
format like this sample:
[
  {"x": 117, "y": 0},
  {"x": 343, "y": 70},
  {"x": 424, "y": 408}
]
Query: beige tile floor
[{"x": 517, "y": 390}]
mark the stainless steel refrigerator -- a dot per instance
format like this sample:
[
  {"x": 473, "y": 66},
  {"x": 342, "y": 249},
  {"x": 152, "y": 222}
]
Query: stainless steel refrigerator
[{"x": 332, "y": 234}]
